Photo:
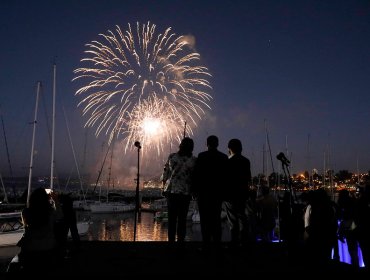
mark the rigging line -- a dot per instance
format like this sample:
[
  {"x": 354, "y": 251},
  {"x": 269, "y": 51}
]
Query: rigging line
[
  {"x": 7, "y": 154},
  {"x": 5, "y": 194},
  {"x": 73, "y": 151},
  {"x": 269, "y": 147},
  {"x": 69, "y": 178},
  {"x": 101, "y": 169},
  {"x": 110, "y": 167},
  {"x": 33, "y": 143},
  {"x": 25, "y": 114},
  {"x": 264, "y": 169},
  {"x": 84, "y": 156},
  {"x": 6, "y": 143},
  {"x": 46, "y": 114}
]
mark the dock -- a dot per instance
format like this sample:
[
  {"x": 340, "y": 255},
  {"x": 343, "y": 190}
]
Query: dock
[{"x": 112, "y": 258}]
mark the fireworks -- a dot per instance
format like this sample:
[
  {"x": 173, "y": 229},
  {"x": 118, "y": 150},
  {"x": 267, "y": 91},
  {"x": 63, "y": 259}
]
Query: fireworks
[{"x": 143, "y": 85}]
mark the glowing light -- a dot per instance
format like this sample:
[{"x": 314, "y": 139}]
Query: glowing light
[
  {"x": 151, "y": 126},
  {"x": 143, "y": 86}
]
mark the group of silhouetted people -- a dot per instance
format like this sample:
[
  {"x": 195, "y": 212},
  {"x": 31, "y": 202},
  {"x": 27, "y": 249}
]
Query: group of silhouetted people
[
  {"x": 326, "y": 221},
  {"x": 214, "y": 179},
  {"x": 223, "y": 182}
]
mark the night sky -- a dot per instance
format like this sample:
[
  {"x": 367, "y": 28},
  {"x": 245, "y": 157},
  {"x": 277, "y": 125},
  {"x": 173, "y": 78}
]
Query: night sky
[{"x": 293, "y": 72}]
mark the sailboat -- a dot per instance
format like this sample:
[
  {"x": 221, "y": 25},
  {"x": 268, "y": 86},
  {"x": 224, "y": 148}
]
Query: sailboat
[
  {"x": 82, "y": 226},
  {"x": 110, "y": 206},
  {"x": 11, "y": 226},
  {"x": 6, "y": 205}
]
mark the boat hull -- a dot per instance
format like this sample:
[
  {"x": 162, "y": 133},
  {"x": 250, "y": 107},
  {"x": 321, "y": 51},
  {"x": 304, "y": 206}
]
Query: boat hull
[{"x": 111, "y": 208}]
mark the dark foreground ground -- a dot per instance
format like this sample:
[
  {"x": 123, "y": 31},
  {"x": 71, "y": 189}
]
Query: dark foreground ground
[{"x": 121, "y": 259}]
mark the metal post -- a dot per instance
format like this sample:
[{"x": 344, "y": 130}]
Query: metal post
[{"x": 138, "y": 146}]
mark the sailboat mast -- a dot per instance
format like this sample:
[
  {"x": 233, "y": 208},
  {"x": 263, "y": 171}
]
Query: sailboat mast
[
  {"x": 185, "y": 129},
  {"x": 263, "y": 162},
  {"x": 6, "y": 144},
  {"x": 330, "y": 167},
  {"x": 7, "y": 152},
  {"x": 53, "y": 130},
  {"x": 324, "y": 171},
  {"x": 5, "y": 194},
  {"x": 266, "y": 174},
  {"x": 358, "y": 172},
  {"x": 308, "y": 161},
  {"x": 110, "y": 168},
  {"x": 33, "y": 143},
  {"x": 269, "y": 149}
]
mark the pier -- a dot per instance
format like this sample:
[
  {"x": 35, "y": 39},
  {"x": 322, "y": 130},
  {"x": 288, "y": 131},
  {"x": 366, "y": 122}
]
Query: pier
[{"x": 112, "y": 258}]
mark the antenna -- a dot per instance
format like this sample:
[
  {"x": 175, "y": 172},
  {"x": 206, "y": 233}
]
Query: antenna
[{"x": 53, "y": 129}]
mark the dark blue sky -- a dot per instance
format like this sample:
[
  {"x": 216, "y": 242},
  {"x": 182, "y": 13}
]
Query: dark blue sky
[{"x": 298, "y": 68}]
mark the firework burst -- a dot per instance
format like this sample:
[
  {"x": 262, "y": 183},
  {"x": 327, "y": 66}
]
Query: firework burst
[{"x": 143, "y": 85}]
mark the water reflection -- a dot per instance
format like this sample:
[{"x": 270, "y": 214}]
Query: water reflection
[{"x": 120, "y": 227}]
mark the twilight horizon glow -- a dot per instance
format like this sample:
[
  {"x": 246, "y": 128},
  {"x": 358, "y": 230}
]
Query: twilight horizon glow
[{"x": 143, "y": 86}]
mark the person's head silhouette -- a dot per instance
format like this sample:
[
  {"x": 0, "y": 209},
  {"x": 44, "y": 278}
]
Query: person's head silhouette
[
  {"x": 212, "y": 142},
  {"x": 186, "y": 146},
  {"x": 235, "y": 146}
]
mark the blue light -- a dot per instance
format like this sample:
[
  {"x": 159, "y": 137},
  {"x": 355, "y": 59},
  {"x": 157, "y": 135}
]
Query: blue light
[{"x": 344, "y": 255}]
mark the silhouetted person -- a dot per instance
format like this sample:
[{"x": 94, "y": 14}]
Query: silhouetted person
[
  {"x": 236, "y": 193},
  {"x": 38, "y": 244},
  {"x": 177, "y": 181},
  {"x": 362, "y": 220},
  {"x": 285, "y": 219},
  {"x": 321, "y": 228},
  {"x": 346, "y": 231},
  {"x": 209, "y": 181},
  {"x": 251, "y": 211},
  {"x": 267, "y": 213},
  {"x": 66, "y": 222}
]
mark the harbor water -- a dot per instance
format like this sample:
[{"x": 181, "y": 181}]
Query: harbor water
[{"x": 121, "y": 227}]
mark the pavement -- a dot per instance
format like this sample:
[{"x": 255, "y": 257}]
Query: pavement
[{"x": 121, "y": 259}]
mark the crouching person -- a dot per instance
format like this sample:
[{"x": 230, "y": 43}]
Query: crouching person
[{"x": 38, "y": 246}]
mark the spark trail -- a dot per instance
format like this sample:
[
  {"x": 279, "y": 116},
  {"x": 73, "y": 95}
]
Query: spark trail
[{"x": 143, "y": 86}]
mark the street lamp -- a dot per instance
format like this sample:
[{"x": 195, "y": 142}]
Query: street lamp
[{"x": 138, "y": 146}]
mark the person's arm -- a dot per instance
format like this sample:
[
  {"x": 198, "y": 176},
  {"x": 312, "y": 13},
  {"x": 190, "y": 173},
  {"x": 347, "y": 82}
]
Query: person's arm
[
  {"x": 249, "y": 174},
  {"x": 165, "y": 175},
  {"x": 307, "y": 215},
  {"x": 25, "y": 217}
]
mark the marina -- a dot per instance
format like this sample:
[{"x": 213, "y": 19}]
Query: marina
[{"x": 108, "y": 247}]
